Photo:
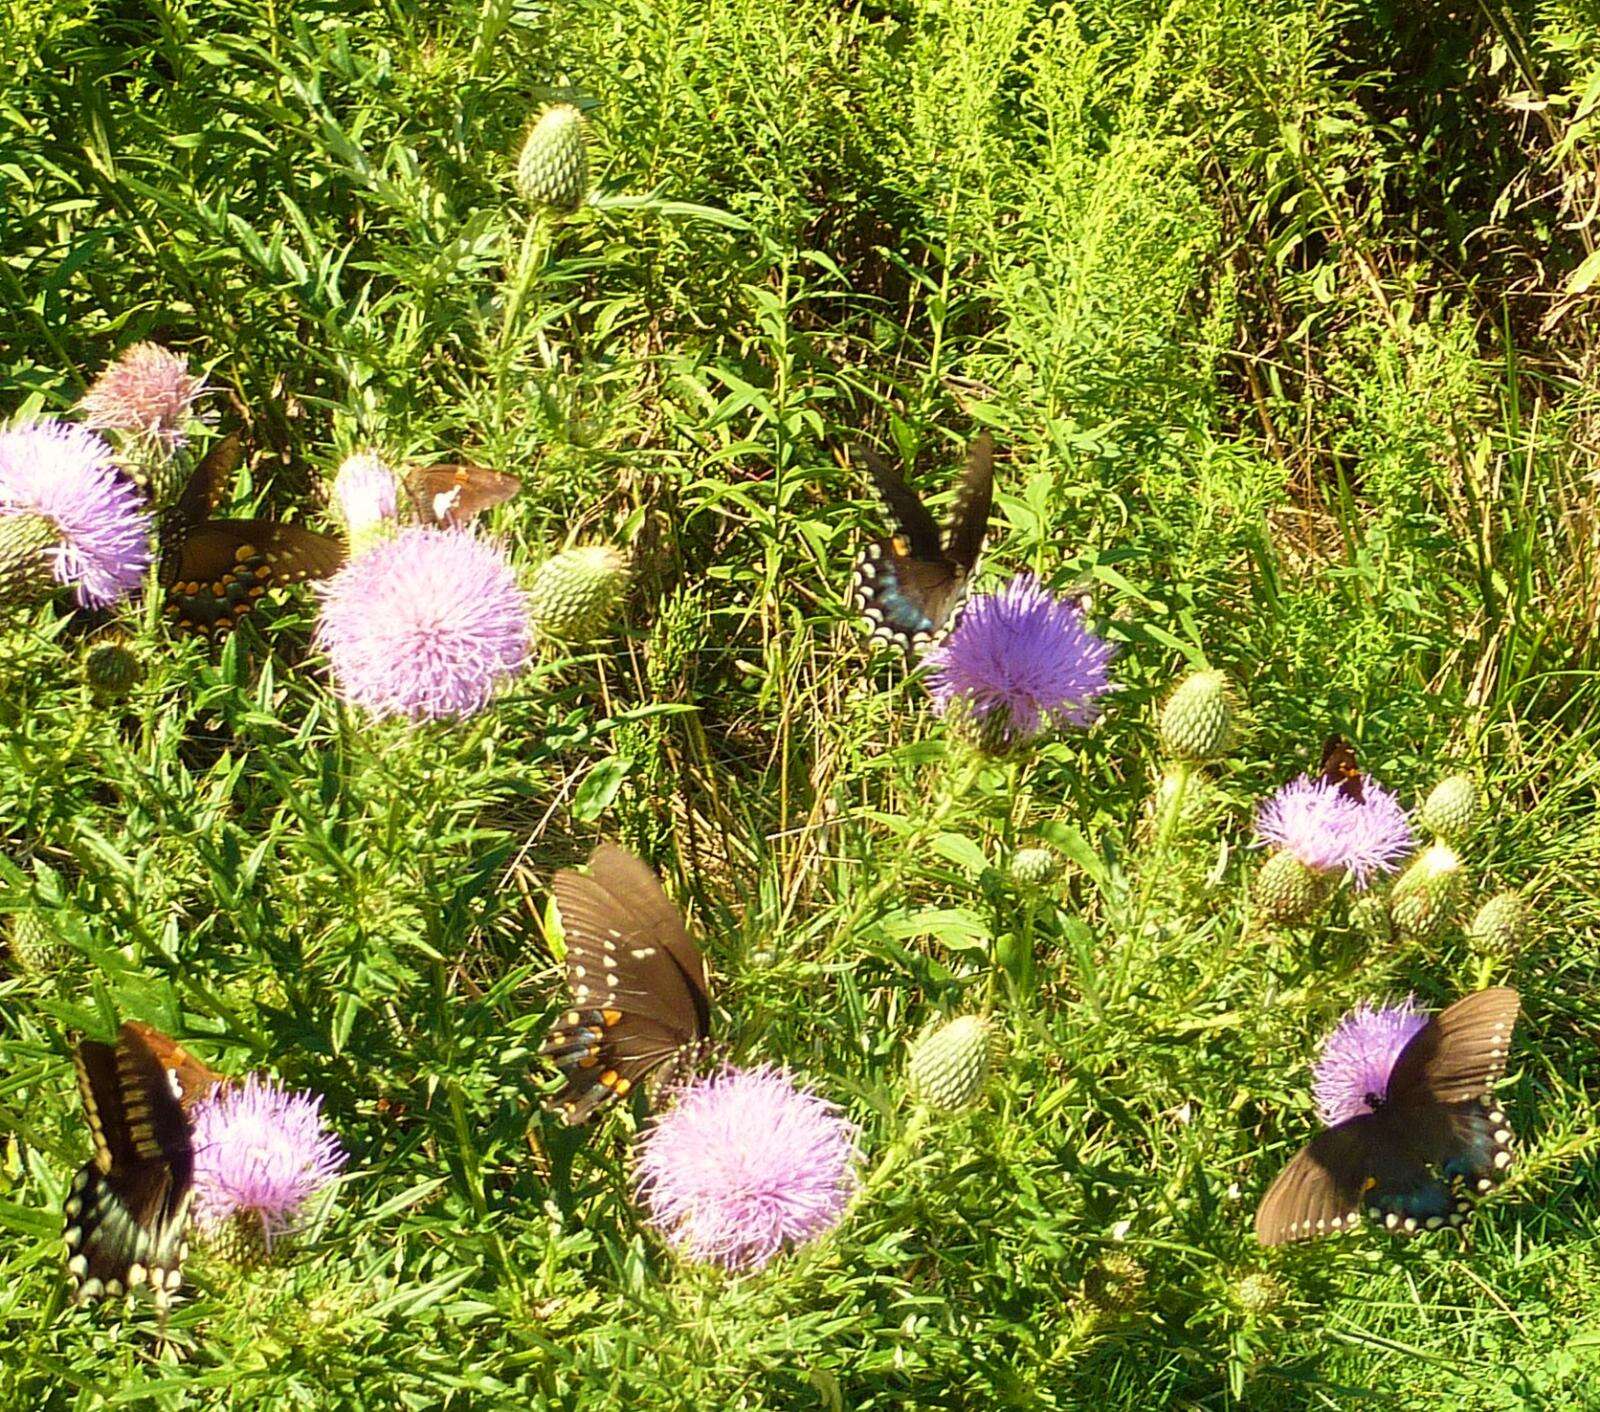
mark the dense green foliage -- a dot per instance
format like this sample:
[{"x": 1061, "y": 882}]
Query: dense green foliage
[{"x": 1279, "y": 314}]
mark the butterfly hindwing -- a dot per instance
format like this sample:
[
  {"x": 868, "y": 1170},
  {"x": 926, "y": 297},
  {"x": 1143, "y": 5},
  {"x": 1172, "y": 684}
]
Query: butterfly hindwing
[
  {"x": 224, "y": 567},
  {"x": 637, "y": 980},
  {"x": 453, "y": 494}
]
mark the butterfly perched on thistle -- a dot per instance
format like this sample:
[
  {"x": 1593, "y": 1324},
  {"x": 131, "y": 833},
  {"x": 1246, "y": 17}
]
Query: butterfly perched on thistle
[
  {"x": 215, "y": 571},
  {"x": 909, "y": 585},
  {"x": 1415, "y": 1133},
  {"x": 456, "y": 493},
  {"x": 127, "y": 1213},
  {"x": 1340, "y": 767},
  {"x": 638, "y": 983}
]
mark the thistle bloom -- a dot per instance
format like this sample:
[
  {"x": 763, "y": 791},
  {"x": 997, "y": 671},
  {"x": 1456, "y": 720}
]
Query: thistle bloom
[
  {"x": 147, "y": 391},
  {"x": 262, "y": 1151},
  {"x": 1357, "y": 1059},
  {"x": 367, "y": 495},
  {"x": 1019, "y": 660},
  {"x": 745, "y": 1164},
  {"x": 1329, "y": 831},
  {"x": 65, "y": 475},
  {"x": 425, "y": 625}
]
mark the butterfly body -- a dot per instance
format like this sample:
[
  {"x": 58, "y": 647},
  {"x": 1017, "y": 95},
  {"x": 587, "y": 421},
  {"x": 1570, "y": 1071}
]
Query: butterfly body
[
  {"x": 127, "y": 1213},
  {"x": 455, "y": 493},
  {"x": 909, "y": 584},
  {"x": 1436, "y": 1141},
  {"x": 640, "y": 1003}
]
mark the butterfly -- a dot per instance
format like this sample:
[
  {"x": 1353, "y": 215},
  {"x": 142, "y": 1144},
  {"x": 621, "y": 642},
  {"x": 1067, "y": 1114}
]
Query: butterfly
[
  {"x": 638, "y": 984},
  {"x": 453, "y": 494},
  {"x": 128, "y": 1208},
  {"x": 1436, "y": 1141},
  {"x": 909, "y": 585},
  {"x": 214, "y": 571},
  {"x": 1340, "y": 767}
]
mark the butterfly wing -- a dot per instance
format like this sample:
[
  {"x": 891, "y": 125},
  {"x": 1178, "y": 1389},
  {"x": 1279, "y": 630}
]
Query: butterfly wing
[
  {"x": 129, "y": 1206},
  {"x": 201, "y": 494},
  {"x": 1461, "y": 1053},
  {"x": 455, "y": 494},
  {"x": 969, "y": 522},
  {"x": 913, "y": 522},
  {"x": 225, "y": 566},
  {"x": 1340, "y": 767},
  {"x": 1319, "y": 1192},
  {"x": 638, "y": 982}
]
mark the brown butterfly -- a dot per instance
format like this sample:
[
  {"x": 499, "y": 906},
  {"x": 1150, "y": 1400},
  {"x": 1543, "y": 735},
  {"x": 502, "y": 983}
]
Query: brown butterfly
[
  {"x": 456, "y": 493},
  {"x": 214, "y": 571},
  {"x": 1339, "y": 766},
  {"x": 128, "y": 1210}
]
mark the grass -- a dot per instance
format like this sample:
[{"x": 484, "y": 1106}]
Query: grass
[{"x": 1278, "y": 313}]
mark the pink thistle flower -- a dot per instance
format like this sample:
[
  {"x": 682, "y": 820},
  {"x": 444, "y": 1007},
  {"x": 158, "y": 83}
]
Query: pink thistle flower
[
  {"x": 1020, "y": 660},
  {"x": 260, "y": 1150},
  {"x": 1352, "y": 1073},
  {"x": 425, "y": 625},
  {"x": 146, "y": 391},
  {"x": 365, "y": 490},
  {"x": 745, "y": 1164},
  {"x": 1329, "y": 831},
  {"x": 67, "y": 476}
]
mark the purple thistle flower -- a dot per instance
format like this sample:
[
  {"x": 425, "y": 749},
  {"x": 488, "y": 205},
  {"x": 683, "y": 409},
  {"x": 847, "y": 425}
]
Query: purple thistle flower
[
  {"x": 260, "y": 1150},
  {"x": 1328, "y": 830},
  {"x": 745, "y": 1163},
  {"x": 1357, "y": 1059},
  {"x": 365, "y": 490},
  {"x": 1019, "y": 660},
  {"x": 425, "y": 625},
  {"x": 147, "y": 391},
  {"x": 67, "y": 475}
]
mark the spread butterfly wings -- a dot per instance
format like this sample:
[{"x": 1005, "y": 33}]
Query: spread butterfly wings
[
  {"x": 1439, "y": 1140},
  {"x": 909, "y": 585},
  {"x": 454, "y": 494},
  {"x": 128, "y": 1208},
  {"x": 638, "y": 983}
]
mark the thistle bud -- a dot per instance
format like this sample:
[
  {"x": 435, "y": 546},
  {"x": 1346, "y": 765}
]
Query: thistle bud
[
  {"x": 112, "y": 671},
  {"x": 1289, "y": 892},
  {"x": 25, "y": 571},
  {"x": 1259, "y": 1294},
  {"x": 1115, "y": 1283},
  {"x": 1200, "y": 720},
  {"x": 1033, "y": 868},
  {"x": 574, "y": 595},
  {"x": 950, "y": 1065},
  {"x": 1501, "y": 925},
  {"x": 1426, "y": 900},
  {"x": 553, "y": 168},
  {"x": 1452, "y": 810},
  {"x": 36, "y": 949}
]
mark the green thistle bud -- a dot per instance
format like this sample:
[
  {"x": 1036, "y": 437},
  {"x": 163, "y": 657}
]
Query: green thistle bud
[
  {"x": 553, "y": 169},
  {"x": 152, "y": 466},
  {"x": 112, "y": 672},
  {"x": 950, "y": 1065},
  {"x": 1452, "y": 810},
  {"x": 1201, "y": 718},
  {"x": 1034, "y": 867},
  {"x": 25, "y": 571},
  {"x": 239, "y": 1241},
  {"x": 574, "y": 596},
  {"x": 1115, "y": 1283},
  {"x": 1501, "y": 925},
  {"x": 1426, "y": 900},
  {"x": 1259, "y": 1294},
  {"x": 35, "y": 946},
  {"x": 1287, "y": 891},
  {"x": 1369, "y": 917}
]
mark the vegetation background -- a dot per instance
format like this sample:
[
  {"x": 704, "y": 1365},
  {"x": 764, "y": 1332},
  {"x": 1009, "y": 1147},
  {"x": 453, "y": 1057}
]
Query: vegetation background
[{"x": 1282, "y": 315}]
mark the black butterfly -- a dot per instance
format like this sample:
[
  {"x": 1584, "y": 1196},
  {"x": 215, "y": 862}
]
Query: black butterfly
[
  {"x": 1340, "y": 766},
  {"x": 636, "y": 978},
  {"x": 454, "y": 493},
  {"x": 128, "y": 1210},
  {"x": 1435, "y": 1142},
  {"x": 909, "y": 585},
  {"x": 214, "y": 571}
]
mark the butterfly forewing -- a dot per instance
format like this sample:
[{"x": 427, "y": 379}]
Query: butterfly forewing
[
  {"x": 1461, "y": 1053},
  {"x": 1340, "y": 767},
  {"x": 637, "y": 981},
  {"x": 457, "y": 493},
  {"x": 201, "y": 495},
  {"x": 969, "y": 521}
]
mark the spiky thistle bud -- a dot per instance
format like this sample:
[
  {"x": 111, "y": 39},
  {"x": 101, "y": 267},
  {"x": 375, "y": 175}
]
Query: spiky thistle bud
[
  {"x": 35, "y": 946},
  {"x": 1034, "y": 867},
  {"x": 950, "y": 1064},
  {"x": 1258, "y": 1294},
  {"x": 1501, "y": 925},
  {"x": 112, "y": 671},
  {"x": 1289, "y": 892},
  {"x": 573, "y": 597},
  {"x": 1452, "y": 810},
  {"x": 553, "y": 168},
  {"x": 1201, "y": 718},
  {"x": 1115, "y": 1282},
  {"x": 25, "y": 543},
  {"x": 1426, "y": 900},
  {"x": 1369, "y": 917}
]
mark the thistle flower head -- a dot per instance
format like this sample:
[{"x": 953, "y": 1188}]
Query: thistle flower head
[
  {"x": 367, "y": 496},
  {"x": 425, "y": 625},
  {"x": 1018, "y": 661},
  {"x": 1329, "y": 831},
  {"x": 260, "y": 1150},
  {"x": 65, "y": 474},
  {"x": 146, "y": 391},
  {"x": 745, "y": 1164},
  {"x": 1351, "y": 1075}
]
